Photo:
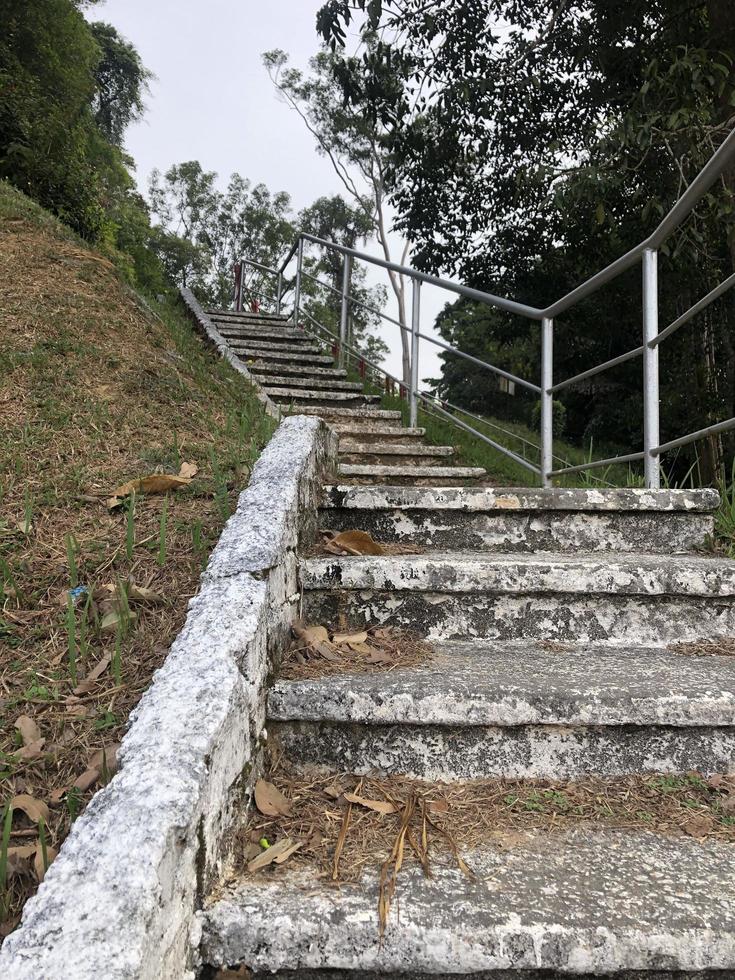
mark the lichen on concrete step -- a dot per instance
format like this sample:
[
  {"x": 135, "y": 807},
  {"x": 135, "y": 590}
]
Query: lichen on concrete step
[{"x": 602, "y": 903}]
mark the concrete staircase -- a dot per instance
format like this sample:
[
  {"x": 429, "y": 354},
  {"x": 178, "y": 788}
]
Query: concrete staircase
[
  {"x": 555, "y": 617},
  {"x": 296, "y": 373}
]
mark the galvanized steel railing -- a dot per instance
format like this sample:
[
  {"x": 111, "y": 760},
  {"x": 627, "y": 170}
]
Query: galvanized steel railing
[{"x": 646, "y": 253}]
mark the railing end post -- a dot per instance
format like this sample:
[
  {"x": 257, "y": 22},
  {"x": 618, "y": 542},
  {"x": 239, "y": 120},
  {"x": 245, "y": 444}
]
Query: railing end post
[{"x": 547, "y": 400}]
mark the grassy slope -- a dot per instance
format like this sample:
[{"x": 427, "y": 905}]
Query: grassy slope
[{"x": 94, "y": 391}]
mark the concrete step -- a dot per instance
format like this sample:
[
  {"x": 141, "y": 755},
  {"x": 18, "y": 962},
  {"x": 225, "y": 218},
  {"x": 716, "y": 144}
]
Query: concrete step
[
  {"x": 352, "y": 451},
  {"x": 372, "y": 430},
  {"x": 299, "y": 396},
  {"x": 272, "y": 334},
  {"x": 633, "y": 598},
  {"x": 630, "y": 905},
  {"x": 483, "y": 518},
  {"x": 517, "y": 711},
  {"x": 413, "y": 473},
  {"x": 265, "y": 346},
  {"x": 382, "y": 415},
  {"x": 296, "y": 369},
  {"x": 246, "y": 353},
  {"x": 310, "y": 383},
  {"x": 231, "y": 317}
]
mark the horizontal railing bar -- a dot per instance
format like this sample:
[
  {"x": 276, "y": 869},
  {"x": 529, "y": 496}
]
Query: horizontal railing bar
[
  {"x": 631, "y": 457},
  {"x": 356, "y": 302},
  {"x": 492, "y": 425},
  {"x": 694, "y": 310},
  {"x": 711, "y": 430},
  {"x": 620, "y": 359},
  {"x": 476, "y": 360},
  {"x": 509, "y": 305},
  {"x": 259, "y": 265}
]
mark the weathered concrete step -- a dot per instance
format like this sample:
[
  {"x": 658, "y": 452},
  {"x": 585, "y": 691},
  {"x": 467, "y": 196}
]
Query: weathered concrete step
[
  {"x": 281, "y": 357},
  {"x": 248, "y": 317},
  {"x": 484, "y": 518},
  {"x": 265, "y": 346},
  {"x": 296, "y": 369},
  {"x": 329, "y": 397},
  {"x": 516, "y": 710},
  {"x": 383, "y": 415},
  {"x": 306, "y": 381},
  {"x": 273, "y": 334},
  {"x": 644, "y": 599},
  {"x": 416, "y": 474},
  {"x": 373, "y": 430},
  {"x": 582, "y": 903},
  {"x": 393, "y": 449}
]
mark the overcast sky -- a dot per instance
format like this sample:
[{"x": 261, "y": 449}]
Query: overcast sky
[{"x": 212, "y": 101}]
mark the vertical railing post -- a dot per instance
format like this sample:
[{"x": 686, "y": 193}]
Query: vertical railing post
[
  {"x": 297, "y": 287},
  {"x": 415, "y": 326},
  {"x": 238, "y": 287},
  {"x": 279, "y": 291},
  {"x": 547, "y": 400},
  {"x": 651, "y": 463},
  {"x": 344, "y": 313}
]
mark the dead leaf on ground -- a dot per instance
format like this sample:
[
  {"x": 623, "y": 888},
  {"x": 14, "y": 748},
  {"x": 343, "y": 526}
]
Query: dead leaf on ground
[
  {"x": 139, "y": 593},
  {"x": 270, "y": 801},
  {"x": 316, "y": 638},
  {"x": 39, "y": 865},
  {"x": 355, "y": 543},
  {"x": 34, "y": 809},
  {"x": 29, "y": 730},
  {"x": 698, "y": 825},
  {"x": 94, "y": 675},
  {"x": 112, "y": 620},
  {"x": 350, "y": 638},
  {"x": 276, "y": 854},
  {"x": 154, "y": 483},
  {"x": 88, "y": 778},
  {"x": 380, "y": 806},
  {"x": 438, "y": 806},
  {"x": 104, "y": 760},
  {"x": 19, "y": 859}
]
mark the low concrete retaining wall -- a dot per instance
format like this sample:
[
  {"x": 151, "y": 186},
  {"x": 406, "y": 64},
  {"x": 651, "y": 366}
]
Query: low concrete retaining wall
[{"x": 119, "y": 902}]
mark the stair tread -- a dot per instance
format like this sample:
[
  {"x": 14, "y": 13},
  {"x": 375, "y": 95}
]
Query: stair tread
[
  {"x": 393, "y": 449},
  {"x": 605, "y": 901},
  {"x": 383, "y": 496},
  {"x": 318, "y": 384},
  {"x": 327, "y": 395},
  {"x": 249, "y": 353},
  {"x": 413, "y": 470},
  {"x": 292, "y": 347},
  {"x": 267, "y": 368},
  {"x": 523, "y": 683},
  {"x": 350, "y": 413},
  {"x": 349, "y": 429},
  {"x": 627, "y": 573}
]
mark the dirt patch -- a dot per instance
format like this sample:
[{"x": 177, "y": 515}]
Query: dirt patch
[
  {"x": 721, "y": 646},
  {"x": 95, "y": 392},
  {"x": 454, "y": 818}
]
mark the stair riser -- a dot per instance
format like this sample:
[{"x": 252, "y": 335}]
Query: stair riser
[
  {"x": 394, "y": 435},
  {"x": 524, "y": 752},
  {"x": 501, "y": 616},
  {"x": 264, "y": 370},
  {"x": 304, "y": 361},
  {"x": 379, "y": 415},
  {"x": 346, "y": 399},
  {"x": 491, "y": 975},
  {"x": 503, "y": 531},
  {"x": 265, "y": 347},
  {"x": 351, "y": 457},
  {"x": 307, "y": 383}
]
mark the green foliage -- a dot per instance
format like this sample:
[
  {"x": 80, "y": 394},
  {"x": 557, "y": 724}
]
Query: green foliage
[{"x": 121, "y": 80}]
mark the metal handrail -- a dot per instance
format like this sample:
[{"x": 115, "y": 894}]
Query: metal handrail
[{"x": 645, "y": 252}]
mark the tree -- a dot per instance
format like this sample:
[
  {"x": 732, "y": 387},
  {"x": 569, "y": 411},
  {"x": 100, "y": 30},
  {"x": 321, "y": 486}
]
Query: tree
[
  {"x": 203, "y": 231},
  {"x": 356, "y": 147},
  {"x": 121, "y": 81}
]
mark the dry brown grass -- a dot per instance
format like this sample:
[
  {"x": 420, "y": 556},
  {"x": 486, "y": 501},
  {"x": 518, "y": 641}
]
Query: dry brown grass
[
  {"x": 385, "y": 649},
  {"x": 94, "y": 392},
  {"x": 721, "y": 646},
  {"x": 498, "y": 813}
]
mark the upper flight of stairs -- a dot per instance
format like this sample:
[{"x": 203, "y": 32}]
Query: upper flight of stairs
[
  {"x": 296, "y": 373},
  {"x": 556, "y": 619}
]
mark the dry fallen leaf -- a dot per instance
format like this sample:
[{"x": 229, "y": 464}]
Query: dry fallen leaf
[
  {"x": 94, "y": 675},
  {"x": 38, "y": 862},
  {"x": 438, "y": 806},
  {"x": 111, "y": 620},
  {"x": 88, "y": 778},
  {"x": 380, "y": 806},
  {"x": 270, "y": 801},
  {"x": 18, "y": 859},
  {"x": 698, "y": 825},
  {"x": 104, "y": 760},
  {"x": 188, "y": 470},
  {"x": 29, "y": 730},
  {"x": 155, "y": 483},
  {"x": 283, "y": 849},
  {"x": 356, "y": 543},
  {"x": 350, "y": 638},
  {"x": 33, "y": 808},
  {"x": 139, "y": 593},
  {"x": 316, "y": 638}
]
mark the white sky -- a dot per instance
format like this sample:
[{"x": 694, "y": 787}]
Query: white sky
[{"x": 213, "y": 102}]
